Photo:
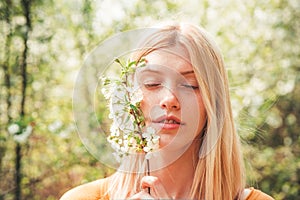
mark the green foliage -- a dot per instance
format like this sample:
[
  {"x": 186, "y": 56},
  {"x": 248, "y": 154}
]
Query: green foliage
[{"x": 260, "y": 42}]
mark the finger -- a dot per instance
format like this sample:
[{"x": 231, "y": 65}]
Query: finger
[
  {"x": 141, "y": 195},
  {"x": 157, "y": 188},
  {"x": 149, "y": 181}
]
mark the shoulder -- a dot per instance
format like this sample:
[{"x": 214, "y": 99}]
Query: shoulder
[
  {"x": 90, "y": 191},
  {"x": 254, "y": 194}
]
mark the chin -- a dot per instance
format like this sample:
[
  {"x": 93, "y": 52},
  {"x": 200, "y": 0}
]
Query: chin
[{"x": 172, "y": 144}]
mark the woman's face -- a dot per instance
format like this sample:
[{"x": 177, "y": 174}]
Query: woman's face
[{"x": 172, "y": 102}]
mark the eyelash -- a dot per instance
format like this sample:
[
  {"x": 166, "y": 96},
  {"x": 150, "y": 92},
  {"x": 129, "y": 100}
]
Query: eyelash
[
  {"x": 191, "y": 87},
  {"x": 153, "y": 85}
]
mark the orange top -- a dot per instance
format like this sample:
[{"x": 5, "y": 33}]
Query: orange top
[
  {"x": 257, "y": 195},
  {"x": 97, "y": 190}
]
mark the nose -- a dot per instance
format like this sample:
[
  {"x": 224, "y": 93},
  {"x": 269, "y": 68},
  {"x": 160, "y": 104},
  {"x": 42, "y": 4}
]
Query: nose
[{"x": 169, "y": 101}]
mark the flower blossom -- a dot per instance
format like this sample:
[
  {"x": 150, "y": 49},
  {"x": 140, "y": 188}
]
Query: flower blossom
[
  {"x": 128, "y": 133},
  {"x": 22, "y": 137},
  {"x": 13, "y": 129}
]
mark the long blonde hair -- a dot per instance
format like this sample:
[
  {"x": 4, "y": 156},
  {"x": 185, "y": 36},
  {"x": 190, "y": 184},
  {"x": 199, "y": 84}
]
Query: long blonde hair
[{"x": 219, "y": 173}]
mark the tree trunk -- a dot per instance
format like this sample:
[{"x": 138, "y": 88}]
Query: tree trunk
[
  {"x": 18, "y": 175},
  {"x": 18, "y": 150},
  {"x": 5, "y": 66}
]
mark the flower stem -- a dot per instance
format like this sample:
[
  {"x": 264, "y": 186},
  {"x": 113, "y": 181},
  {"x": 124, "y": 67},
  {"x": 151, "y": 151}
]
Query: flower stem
[{"x": 148, "y": 172}]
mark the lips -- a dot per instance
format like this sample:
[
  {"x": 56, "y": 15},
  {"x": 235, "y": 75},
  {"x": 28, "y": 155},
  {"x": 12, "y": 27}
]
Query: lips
[
  {"x": 168, "y": 122},
  {"x": 171, "y": 121}
]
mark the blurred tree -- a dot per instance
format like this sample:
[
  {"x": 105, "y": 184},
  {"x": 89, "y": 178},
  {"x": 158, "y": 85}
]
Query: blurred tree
[{"x": 22, "y": 63}]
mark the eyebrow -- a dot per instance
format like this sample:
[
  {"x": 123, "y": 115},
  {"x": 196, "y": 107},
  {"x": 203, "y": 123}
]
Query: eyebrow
[
  {"x": 187, "y": 72},
  {"x": 156, "y": 71}
]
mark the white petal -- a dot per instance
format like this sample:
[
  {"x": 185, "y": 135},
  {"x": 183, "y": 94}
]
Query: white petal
[
  {"x": 13, "y": 129},
  {"x": 148, "y": 155},
  {"x": 147, "y": 149}
]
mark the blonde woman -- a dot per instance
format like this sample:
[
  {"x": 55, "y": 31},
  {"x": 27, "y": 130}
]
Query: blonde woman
[{"x": 185, "y": 97}]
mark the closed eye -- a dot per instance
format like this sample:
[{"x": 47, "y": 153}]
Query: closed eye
[
  {"x": 191, "y": 86},
  {"x": 151, "y": 85}
]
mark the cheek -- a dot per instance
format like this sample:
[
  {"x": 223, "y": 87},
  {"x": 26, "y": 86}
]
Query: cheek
[
  {"x": 195, "y": 112},
  {"x": 149, "y": 101},
  {"x": 150, "y": 106}
]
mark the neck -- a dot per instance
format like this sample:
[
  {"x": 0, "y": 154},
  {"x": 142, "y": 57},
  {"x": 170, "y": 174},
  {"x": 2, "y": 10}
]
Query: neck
[{"x": 178, "y": 177}]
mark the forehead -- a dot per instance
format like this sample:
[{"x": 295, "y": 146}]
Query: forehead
[{"x": 175, "y": 58}]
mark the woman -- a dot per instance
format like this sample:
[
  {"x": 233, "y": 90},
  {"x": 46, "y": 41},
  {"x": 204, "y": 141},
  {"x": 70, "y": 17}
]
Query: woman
[{"x": 186, "y": 98}]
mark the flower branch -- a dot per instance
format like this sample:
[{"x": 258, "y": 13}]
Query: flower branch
[{"x": 128, "y": 133}]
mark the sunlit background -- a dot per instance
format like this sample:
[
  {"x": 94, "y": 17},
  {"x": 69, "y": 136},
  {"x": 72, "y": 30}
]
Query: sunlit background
[{"x": 43, "y": 45}]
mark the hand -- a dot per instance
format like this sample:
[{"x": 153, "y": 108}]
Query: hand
[{"x": 157, "y": 190}]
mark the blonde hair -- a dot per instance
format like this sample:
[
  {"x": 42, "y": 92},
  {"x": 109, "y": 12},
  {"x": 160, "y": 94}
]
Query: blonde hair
[{"x": 219, "y": 173}]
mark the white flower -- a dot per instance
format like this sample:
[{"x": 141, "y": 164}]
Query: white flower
[
  {"x": 149, "y": 155},
  {"x": 155, "y": 139},
  {"x": 147, "y": 149},
  {"x": 55, "y": 126},
  {"x": 115, "y": 145},
  {"x": 28, "y": 130},
  {"x": 13, "y": 129},
  {"x": 106, "y": 87},
  {"x": 116, "y": 108},
  {"x": 106, "y": 92},
  {"x": 118, "y": 94},
  {"x": 22, "y": 138},
  {"x": 137, "y": 96},
  {"x": 153, "y": 145},
  {"x": 152, "y": 141},
  {"x": 133, "y": 141},
  {"x": 114, "y": 130},
  {"x": 149, "y": 133},
  {"x": 124, "y": 105}
]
